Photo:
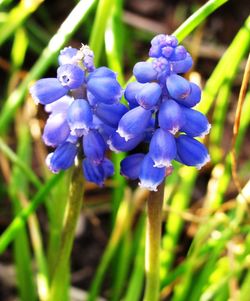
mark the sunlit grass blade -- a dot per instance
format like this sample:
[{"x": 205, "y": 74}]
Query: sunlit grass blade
[
  {"x": 66, "y": 30},
  {"x": 16, "y": 17},
  {"x": 20, "y": 220}
]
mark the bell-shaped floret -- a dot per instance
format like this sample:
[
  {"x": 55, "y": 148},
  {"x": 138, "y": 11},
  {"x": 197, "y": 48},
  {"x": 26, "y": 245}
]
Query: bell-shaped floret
[
  {"x": 196, "y": 124},
  {"x": 150, "y": 176},
  {"x": 62, "y": 158},
  {"x": 79, "y": 117},
  {"x": 179, "y": 53},
  {"x": 104, "y": 88},
  {"x": 59, "y": 106},
  {"x": 134, "y": 122},
  {"x": 94, "y": 147},
  {"x": 149, "y": 96},
  {"x": 170, "y": 117},
  {"x": 70, "y": 76},
  {"x": 97, "y": 173},
  {"x": 191, "y": 152},
  {"x": 178, "y": 87},
  {"x": 56, "y": 130},
  {"x": 131, "y": 91},
  {"x": 68, "y": 56},
  {"x": 110, "y": 114},
  {"x": 162, "y": 148},
  {"x": 117, "y": 143},
  {"x": 182, "y": 66},
  {"x": 131, "y": 165},
  {"x": 144, "y": 72},
  {"x": 47, "y": 90},
  {"x": 193, "y": 98}
]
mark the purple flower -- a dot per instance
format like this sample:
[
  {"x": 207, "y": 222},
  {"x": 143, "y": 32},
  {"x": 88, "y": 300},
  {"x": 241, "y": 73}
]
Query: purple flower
[
  {"x": 191, "y": 152},
  {"x": 144, "y": 72},
  {"x": 70, "y": 76},
  {"x": 79, "y": 117},
  {"x": 62, "y": 158},
  {"x": 150, "y": 177},
  {"x": 133, "y": 123},
  {"x": 94, "y": 147},
  {"x": 47, "y": 90},
  {"x": 131, "y": 165},
  {"x": 149, "y": 96},
  {"x": 178, "y": 87},
  {"x": 67, "y": 56}
]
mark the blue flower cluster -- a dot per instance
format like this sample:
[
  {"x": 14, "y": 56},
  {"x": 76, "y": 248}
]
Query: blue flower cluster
[
  {"x": 83, "y": 103},
  {"x": 161, "y": 114}
]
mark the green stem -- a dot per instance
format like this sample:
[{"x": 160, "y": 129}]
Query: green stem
[
  {"x": 71, "y": 215},
  {"x": 153, "y": 240}
]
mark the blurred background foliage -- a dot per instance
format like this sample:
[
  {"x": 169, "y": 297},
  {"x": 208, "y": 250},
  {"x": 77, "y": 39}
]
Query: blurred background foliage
[{"x": 205, "y": 237}]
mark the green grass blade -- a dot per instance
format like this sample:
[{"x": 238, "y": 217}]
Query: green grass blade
[{"x": 66, "y": 30}]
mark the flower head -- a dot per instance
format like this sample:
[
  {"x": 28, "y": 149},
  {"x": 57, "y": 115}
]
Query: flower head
[
  {"x": 84, "y": 108},
  {"x": 161, "y": 115}
]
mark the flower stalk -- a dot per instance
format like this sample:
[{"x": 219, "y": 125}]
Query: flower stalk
[
  {"x": 153, "y": 240},
  {"x": 71, "y": 216}
]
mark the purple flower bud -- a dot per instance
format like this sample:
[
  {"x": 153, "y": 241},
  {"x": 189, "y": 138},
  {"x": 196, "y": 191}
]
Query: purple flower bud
[
  {"x": 79, "y": 117},
  {"x": 158, "y": 39},
  {"x": 70, "y": 76},
  {"x": 97, "y": 173},
  {"x": 134, "y": 122},
  {"x": 144, "y": 72},
  {"x": 56, "y": 130},
  {"x": 162, "y": 148},
  {"x": 62, "y": 158},
  {"x": 110, "y": 114},
  {"x": 182, "y": 66},
  {"x": 67, "y": 56},
  {"x": 150, "y": 176},
  {"x": 104, "y": 88},
  {"x": 191, "y": 152},
  {"x": 167, "y": 51},
  {"x": 161, "y": 65},
  {"x": 130, "y": 93},
  {"x": 149, "y": 95},
  {"x": 178, "y": 87},
  {"x": 94, "y": 147},
  {"x": 102, "y": 72},
  {"x": 118, "y": 144},
  {"x": 171, "y": 117},
  {"x": 196, "y": 124},
  {"x": 193, "y": 98},
  {"x": 59, "y": 106},
  {"x": 179, "y": 53},
  {"x": 47, "y": 90},
  {"x": 155, "y": 51},
  {"x": 131, "y": 165}
]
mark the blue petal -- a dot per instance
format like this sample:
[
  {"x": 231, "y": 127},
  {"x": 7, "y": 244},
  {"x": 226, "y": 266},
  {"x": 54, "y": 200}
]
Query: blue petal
[
  {"x": 110, "y": 114},
  {"x": 94, "y": 147},
  {"x": 149, "y": 96},
  {"x": 56, "y": 130},
  {"x": 93, "y": 173},
  {"x": 196, "y": 124},
  {"x": 108, "y": 167},
  {"x": 182, "y": 66},
  {"x": 79, "y": 117},
  {"x": 105, "y": 130},
  {"x": 130, "y": 166},
  {"x": 47, "y": 90},
  {"x": 62, "y": 158},
  {"x": 178, "y": 87},
  {"x": 144, "y": 72},
  {"x": 191, "y": 152},
  {"x": 59, "y": 106},
  {"x": 118, "y": 144},
  {"x": 134, "y": 122},
  {"x": 105, "y": 89},
  {"x": 179, "y": 53},
  {"x": 167, "y": 51},
  {"x": 170, "y": 117},
  {"x": 162, "y": 148},
  {"x": 102, "y": 72},
  {"x": 70, "y": 76},
  {"x": 150, "y": 176},
  {"x": 130, "y": 93},
  {"x": 67, "y": 56},
  {"x": 193, "y": 98}
]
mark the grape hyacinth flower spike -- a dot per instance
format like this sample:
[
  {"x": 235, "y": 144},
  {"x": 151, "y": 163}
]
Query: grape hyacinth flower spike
[
  {"x": 162, "y": 97},
  {"x": 84, "y": 111}
]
